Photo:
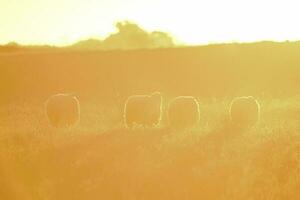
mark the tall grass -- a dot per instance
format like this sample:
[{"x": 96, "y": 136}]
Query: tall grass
[{"x": 100, "y": 159}]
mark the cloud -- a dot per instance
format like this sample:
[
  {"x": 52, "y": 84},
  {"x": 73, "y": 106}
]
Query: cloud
[{"x": 129, "y": 36}]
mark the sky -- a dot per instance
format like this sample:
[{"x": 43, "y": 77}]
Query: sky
[{"x": 193, "y": 22}]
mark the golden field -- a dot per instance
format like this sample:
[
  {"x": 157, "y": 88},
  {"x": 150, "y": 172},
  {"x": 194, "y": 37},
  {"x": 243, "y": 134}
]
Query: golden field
[{"x": 100, "y": 159}]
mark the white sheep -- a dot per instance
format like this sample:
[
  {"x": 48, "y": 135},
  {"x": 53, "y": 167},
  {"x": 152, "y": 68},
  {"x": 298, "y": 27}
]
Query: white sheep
[
  {"x": 143, "y": 110},
  {"x": 63, "y": 110},
  {"x": 183, "y": 112},
  {"x": 244, "y": 111}
]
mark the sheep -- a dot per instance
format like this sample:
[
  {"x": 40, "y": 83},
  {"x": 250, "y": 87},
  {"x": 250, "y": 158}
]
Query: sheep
[
  {"x": 63, "y": 110},
  {"x": 183, "y": 112},
  {"x": 244, "y": 111},
  {"x": 143, "y": 110}
]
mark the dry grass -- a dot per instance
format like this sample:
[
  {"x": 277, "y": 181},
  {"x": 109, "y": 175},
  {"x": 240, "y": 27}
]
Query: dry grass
[{"x": 101, "y": 160}]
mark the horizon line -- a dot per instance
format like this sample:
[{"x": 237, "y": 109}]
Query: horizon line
[{"x": 41, "y": 44}]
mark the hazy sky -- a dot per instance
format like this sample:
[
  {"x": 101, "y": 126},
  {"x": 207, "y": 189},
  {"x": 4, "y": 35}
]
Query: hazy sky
[{"x": 61, "y": 22}]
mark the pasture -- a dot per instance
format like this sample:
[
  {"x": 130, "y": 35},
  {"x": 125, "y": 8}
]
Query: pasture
[{"x": 100, "y": 158}]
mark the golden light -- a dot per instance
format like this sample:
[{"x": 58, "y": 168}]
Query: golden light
[{"x": 192, "y": 22}]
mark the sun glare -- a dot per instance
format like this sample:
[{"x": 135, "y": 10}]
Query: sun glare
[{"x": 190, "y": 22}]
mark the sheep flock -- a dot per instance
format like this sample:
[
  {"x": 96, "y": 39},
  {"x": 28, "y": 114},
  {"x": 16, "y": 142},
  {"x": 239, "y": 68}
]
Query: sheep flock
[{"x": 153, "y": 111}]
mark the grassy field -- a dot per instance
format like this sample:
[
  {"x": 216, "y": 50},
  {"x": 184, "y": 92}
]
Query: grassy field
[{"x": 100, "y": 159}]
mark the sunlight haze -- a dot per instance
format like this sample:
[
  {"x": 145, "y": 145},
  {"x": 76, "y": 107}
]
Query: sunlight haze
[{"x": 62, "y": 22}]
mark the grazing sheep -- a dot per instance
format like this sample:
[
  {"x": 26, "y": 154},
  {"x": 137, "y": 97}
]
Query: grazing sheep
[
  {"x": 143, "y": 110},
  {"x": 244, "y": 111},
  {"x": 183, "y": 112},
  {"x": 63, "y": 110}
]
